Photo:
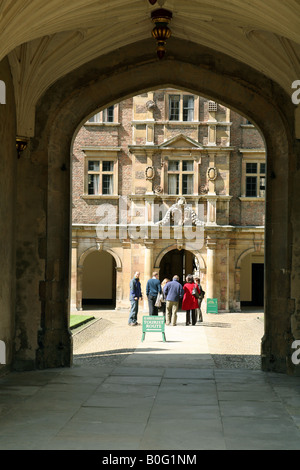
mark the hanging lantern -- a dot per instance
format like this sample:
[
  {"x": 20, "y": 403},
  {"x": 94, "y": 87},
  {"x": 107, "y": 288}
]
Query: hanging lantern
[
  {"x": 21, "y": 145},
  {"x": 161, "y": 32}
]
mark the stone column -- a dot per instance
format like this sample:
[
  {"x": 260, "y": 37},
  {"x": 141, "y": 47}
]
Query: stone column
[
  {"x": 74, "y": 275},
  {"x": 229, "y": 281},
  {"x": 210, "y": 268},
  {"x": 211, "y": 210},
  {"x": 237, "y": 281},
  {"x": 149, "y": 209},
  {"x": 79, "y": 287},
  {"x": 148, "y": 267},
  {"x": 232, "y": 305},
  {"x": 10, "y": 230},
  {"x": 119, "y": 288},
  {"x": 212, "y": 133},
  {"x": 150, "y": 133},
  {"x": 210, "y": 177},
  {"x": 124, "y": 278}
]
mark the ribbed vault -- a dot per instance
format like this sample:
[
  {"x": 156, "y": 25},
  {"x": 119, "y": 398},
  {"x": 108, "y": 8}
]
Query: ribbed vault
[{"x": 46, "y": 40}]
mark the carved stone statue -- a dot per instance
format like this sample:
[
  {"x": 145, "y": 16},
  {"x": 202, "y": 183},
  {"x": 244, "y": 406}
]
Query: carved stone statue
[{"x": 181, "y": 213}]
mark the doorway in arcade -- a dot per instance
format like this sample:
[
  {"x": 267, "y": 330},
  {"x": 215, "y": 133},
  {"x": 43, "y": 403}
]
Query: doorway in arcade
[
  {"x": 252, "y": 281},
  {"x": 180, "y": 262},
  {"x": 99, "y": 280}
]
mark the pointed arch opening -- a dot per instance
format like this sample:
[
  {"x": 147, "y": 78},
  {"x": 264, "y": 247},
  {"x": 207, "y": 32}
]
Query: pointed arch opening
[{"x": 201, "y": 71}]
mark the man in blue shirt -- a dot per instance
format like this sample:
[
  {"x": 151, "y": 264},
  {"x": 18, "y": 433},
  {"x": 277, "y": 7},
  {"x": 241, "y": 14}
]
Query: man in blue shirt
[
  {"x": 153, "y": 287},
  {"x": 135, "y": 295},
  {"x": 173, "y": 292}
]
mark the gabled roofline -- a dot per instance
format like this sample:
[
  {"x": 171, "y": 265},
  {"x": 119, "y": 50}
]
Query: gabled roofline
[{"x": 171, "y": 141}]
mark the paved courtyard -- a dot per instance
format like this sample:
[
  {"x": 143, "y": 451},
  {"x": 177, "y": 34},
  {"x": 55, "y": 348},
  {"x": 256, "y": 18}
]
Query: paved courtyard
[{"x": 201, "y": 389}]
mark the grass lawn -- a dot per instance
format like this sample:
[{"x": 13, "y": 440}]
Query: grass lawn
[{"x": 77, "y": 320}]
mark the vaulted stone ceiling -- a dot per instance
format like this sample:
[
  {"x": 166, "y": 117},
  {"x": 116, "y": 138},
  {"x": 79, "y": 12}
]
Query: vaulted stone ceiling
[{"x": 44, "y": 40}]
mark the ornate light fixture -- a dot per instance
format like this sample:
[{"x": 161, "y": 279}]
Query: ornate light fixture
[
  {"x": 161, "y": 2},
  {"x": 161, "y": 32},
  {"x": 21, "y": 145}
]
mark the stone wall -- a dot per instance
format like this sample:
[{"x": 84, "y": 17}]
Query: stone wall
[
  {"x": 44, "y": 188},
  {"x": 8, "y": 176},
  {"x": 132, "y": 166}
]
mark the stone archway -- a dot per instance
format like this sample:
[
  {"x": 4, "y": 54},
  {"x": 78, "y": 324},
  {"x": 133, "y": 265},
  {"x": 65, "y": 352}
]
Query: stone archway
[
  {"x": 249, "y": 283},
  {"x": 160, "y": 256},
  {"x": 176, "y": 262},
  {"x": 124, "y": 73},
  {"x": 78, "y": 266},
  {"x": 98, "y": 280}
]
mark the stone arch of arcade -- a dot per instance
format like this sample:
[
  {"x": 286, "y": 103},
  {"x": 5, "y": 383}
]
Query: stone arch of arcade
[
  {"x": 238, "y": 266},
  {"x": 104, "y": 81},
  {"x": 182, "y": 261},
  {"x": 174, "y": 247},
  {"x": 79, "y": 265}
]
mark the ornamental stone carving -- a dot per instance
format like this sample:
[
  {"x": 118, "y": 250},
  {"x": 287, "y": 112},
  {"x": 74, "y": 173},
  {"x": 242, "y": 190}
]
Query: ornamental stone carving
[
  {"x": 149, "y": 172},
  {"x": 212, "y": 173},
  {"x": 158, "y": 189},
  {"x": 182, "y": 213},
  {"x": 150, "y": 105}
]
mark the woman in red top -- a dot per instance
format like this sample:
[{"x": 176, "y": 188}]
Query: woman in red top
[{"x": 189, "y": 301}]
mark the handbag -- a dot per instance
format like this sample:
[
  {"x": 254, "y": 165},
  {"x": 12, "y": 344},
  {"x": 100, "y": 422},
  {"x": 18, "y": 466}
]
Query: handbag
[
  {"x": 195, "y": 292},
  {"x": 202, "y": 294},
  {"x": 158, "y": 300}
]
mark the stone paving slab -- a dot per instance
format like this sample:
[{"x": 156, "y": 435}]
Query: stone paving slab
[
  {"x": 162, "y": 396},
  {"x": 260, "y": 433},
  {"x": 184, "y": 434}
]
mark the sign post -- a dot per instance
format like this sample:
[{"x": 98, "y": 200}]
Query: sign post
[
  {"x": 154, "y": 324},
  {"x": 212, "y": 306}
]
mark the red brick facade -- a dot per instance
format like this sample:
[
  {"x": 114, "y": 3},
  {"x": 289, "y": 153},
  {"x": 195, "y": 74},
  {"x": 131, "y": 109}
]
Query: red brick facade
[
  {"x": 218, "y": 145},
  {"x": 120, "y": 135}
]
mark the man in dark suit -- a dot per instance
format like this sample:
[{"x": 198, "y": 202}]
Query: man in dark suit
[
  {"x": 153, "y": 287},
  {"x": 135, "y": 296}
]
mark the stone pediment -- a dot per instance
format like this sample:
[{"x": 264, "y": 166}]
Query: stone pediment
[{"x": 181, "y": 141}]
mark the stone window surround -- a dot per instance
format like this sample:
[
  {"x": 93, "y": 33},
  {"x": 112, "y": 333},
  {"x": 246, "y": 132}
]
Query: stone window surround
[
  {"x": 101, "y": 154},
  {"x": 101, "y": 121},
  {"x": 180, "y": 172},
  {"x": 178, "y": 92},
  {"x": 250, "y": 156},
  {"x": 179, "y": 156}
]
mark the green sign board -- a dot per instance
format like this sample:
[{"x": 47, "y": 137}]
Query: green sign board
[
  {"x": 212, "y": 306},
  {"x": 154, "y": 324}
]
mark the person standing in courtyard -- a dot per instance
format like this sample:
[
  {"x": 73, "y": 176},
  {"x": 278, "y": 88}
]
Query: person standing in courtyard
[
  {"x": 189, "y": 301},
  {"x": 135, "y": 296},
  {"x": 199, "y": 316},
  {"x": 163, "y": 300},
  {"x": 173, "y": 292},
  {"x": 153, "y": 288}
]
